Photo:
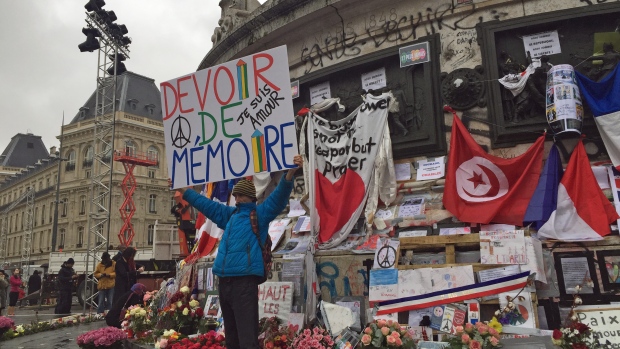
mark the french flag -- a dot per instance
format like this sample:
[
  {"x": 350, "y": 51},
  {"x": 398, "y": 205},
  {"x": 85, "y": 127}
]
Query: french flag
[
  {"x": 545, "y": 198},
  {"x": 583, "y": 211},
  {"x": 604, "y": 101}
]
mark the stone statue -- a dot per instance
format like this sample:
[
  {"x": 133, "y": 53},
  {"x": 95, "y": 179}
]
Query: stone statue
[
  {"x": 610, "y": 59},
  {"x": 233, "y": 12}
]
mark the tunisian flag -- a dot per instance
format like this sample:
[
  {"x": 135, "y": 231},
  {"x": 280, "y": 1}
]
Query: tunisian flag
[
  {"x": 583, "y": 211},
  {"x": 481, "y": 188}
]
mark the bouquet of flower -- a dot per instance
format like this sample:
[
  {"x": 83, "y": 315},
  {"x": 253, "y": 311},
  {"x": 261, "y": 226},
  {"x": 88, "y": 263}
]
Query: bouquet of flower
[
  {"x": 274, "y": 335},
  {"x": 317, "y": 338},
  {"x": 107, "y": 337},
  {"x": 181, "y": 311},
  {"x": 576, "y": 336},
  {"x": 166, "y": 337},
  {"x": 479, "y": 336},
  {"x": 382, "y": 334},
  {"x": 211, "y": 340},
  {"x": 136, "y": 321},
  {"x": 6, "y": 323}
]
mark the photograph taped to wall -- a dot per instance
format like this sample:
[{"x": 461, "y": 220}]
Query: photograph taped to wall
[{"x": 609, "y": 266}]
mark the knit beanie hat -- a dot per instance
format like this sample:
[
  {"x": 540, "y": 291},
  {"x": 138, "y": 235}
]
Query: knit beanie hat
[{"x": 245, "y": 187}]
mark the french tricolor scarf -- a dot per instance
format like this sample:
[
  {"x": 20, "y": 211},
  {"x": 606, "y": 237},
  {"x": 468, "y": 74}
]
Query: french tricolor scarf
[{"x": 458, "y": 294}]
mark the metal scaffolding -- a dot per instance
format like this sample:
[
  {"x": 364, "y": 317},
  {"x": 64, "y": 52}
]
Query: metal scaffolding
[
  {"x": 101, "y": 178},
  {"x": 26, "y": 246}
]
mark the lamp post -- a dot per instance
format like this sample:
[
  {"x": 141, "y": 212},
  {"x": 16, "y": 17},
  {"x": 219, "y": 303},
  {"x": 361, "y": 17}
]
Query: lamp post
[{"x": 112, "y": 44}]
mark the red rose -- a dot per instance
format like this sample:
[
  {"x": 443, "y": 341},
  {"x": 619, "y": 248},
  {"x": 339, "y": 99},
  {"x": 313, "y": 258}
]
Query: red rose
[
  {"x": 557, "y": 334},
  {"x": 582, "y": 328},
  {"x": 579, "y": 346},
  {"x": 199, "y": 312}
]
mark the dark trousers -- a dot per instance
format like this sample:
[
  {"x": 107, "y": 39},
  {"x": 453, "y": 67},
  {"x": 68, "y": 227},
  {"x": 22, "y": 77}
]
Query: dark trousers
[
  {"x": 63, "y": 306},
  {"x": 239, "y": 304}
]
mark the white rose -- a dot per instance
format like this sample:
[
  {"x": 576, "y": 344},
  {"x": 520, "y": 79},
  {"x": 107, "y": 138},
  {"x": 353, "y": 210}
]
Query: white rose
[{"x": 185, "y": 289}]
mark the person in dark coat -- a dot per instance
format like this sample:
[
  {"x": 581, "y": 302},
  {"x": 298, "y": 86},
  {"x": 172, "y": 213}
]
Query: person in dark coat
[
  {"x": 126, "y": 272},
  {"x": 66, "y": 276},
  {"x": 34, "y": 285},
  {"x": 132, "y": 297}
]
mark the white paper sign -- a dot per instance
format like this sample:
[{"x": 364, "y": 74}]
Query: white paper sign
[
  {"x": 229, "y": 121},
  {"x": 277, "y": 227},
  {"x": 402, "y": 171},
  {"x": 295, "y": 209},
  {"x": 603, "y": 320},
  {"x": 412, "y": 233},
  {"x": 385, "y": 255},
  {"x": 319, "y": 92},
  {"x": 524, "y": 309},
  {"x": 374, "y": 80},
  {"x": 383, "y": 285},
  {"x": 275, "y": 299},
  {"x": 414, "y": 282},
  {"x": 546, "y": 43},
  {"x": 431, "y": 169},
  {"x": 455, "y": 231},
  {"x": 502, "y": 247}
]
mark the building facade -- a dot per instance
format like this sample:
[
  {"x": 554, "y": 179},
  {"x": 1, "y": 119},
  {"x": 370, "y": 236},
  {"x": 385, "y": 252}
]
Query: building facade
[{"x": 138, "y": 130}]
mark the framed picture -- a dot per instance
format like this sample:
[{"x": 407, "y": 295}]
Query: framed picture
[
  {"x": 609, "y": 265},
  {"x": 576, "y": 268}
]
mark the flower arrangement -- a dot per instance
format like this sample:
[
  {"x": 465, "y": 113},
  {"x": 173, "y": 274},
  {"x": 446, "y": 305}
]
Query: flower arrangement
[
  {"x": 211, "y": 340},
  {"x": 479, "y": 336},
  {"x": 182, "y": 311},
  {"x": 386, "y": 333},
  {"x": 106, "y": 337},
  {"x": 6, "y": 323},
  {"x": 317, "y": 338},
  {"x": 166, "y": 337},
  {"x": 37, "y": 327},
  {"x": 575, "y": 336},
  {"x": 274, "y": 335}
]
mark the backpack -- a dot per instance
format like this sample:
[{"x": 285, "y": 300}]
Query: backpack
[{"x": 265, "y": 249}]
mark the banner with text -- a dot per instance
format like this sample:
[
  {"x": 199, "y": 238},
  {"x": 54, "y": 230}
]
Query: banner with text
[
  {"x": 342, "y": 164},
  {"x": 231, "y": 120}
]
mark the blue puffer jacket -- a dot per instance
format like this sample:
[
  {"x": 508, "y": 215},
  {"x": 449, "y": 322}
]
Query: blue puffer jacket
[{"x": 239, "y": 253}]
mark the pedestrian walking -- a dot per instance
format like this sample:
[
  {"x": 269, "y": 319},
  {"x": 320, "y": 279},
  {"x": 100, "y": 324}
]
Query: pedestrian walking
[
  {"x": 126, "y": 272},
  {"x": 65, "y": 280},
  {"x": 239, "y": 260},
  {"x": 34, "y": 285},
  {"x": 4, "y": 290},
  {"x": 15, "y": 281},
  {"x": 134, "y": 296},
  {"x": 106, "y": 275}
]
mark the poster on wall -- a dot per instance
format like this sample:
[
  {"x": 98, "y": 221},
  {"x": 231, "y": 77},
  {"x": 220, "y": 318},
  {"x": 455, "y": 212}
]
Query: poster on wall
[
  {"x": 564, "y": 105},
  {"x": 230, "y": 121},
  {"x": 502, "y": 247},
  {"x": 275, "y": 299},
  {"x": 603, "y": 320},
  {"x": 374, "y": 80},
  {"x": 319, "y": 92},
  {"x": 547, "y": 43}
]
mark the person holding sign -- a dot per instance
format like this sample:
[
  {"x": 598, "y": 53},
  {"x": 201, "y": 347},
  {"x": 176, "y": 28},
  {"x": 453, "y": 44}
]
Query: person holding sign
[{"x": 239, "y": 260}]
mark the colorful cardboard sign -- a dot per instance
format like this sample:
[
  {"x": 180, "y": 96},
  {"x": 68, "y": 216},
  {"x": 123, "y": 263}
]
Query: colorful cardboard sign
[{"x": 229, "y": 121}]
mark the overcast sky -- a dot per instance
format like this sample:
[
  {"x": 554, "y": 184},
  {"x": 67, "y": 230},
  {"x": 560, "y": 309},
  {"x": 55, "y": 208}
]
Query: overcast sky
[{"x": 43, "y": 73}]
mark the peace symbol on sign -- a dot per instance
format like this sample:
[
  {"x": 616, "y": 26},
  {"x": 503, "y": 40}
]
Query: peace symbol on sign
[
  {"x": 180, "y": 132},
  {"x": 386, "y": 257}
]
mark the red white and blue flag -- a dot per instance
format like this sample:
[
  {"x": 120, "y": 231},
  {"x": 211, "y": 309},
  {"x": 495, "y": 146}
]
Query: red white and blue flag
[
  {"x": 603, "y": 98},
  {"x": 583, "y": 212},
  {"x": 454, "y": 295}
]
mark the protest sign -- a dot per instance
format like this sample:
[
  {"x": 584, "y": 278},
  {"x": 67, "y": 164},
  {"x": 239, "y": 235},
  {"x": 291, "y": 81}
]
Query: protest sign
[
  {"x": 275, "y": 299},
  {"x": 229, "y": 121}
]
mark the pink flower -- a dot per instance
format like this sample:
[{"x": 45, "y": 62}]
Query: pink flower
[
  {"x": 469, "y": 328},
  {"x": 494, "y": 341},
  {"x": 366, "y": 339},
  {"x": 483, "y": 329},
  {"x": 368, "y": 330},
  {"x": 385, "y": 331},
  {"x": 474, "y": 344},
  {"x": 163, "y": 343},
  {"x": 493, "y": 332},
  {"x": 390, "y": 340},
  {"x": 399, "y": 342},
  {"x": 395, "y": 334},
  {"x": 459, "y": 329},
  {"x": 381, "y": 323},
  {"x": 389, "y": 322},
  {"x": 465, "y": 339}
]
